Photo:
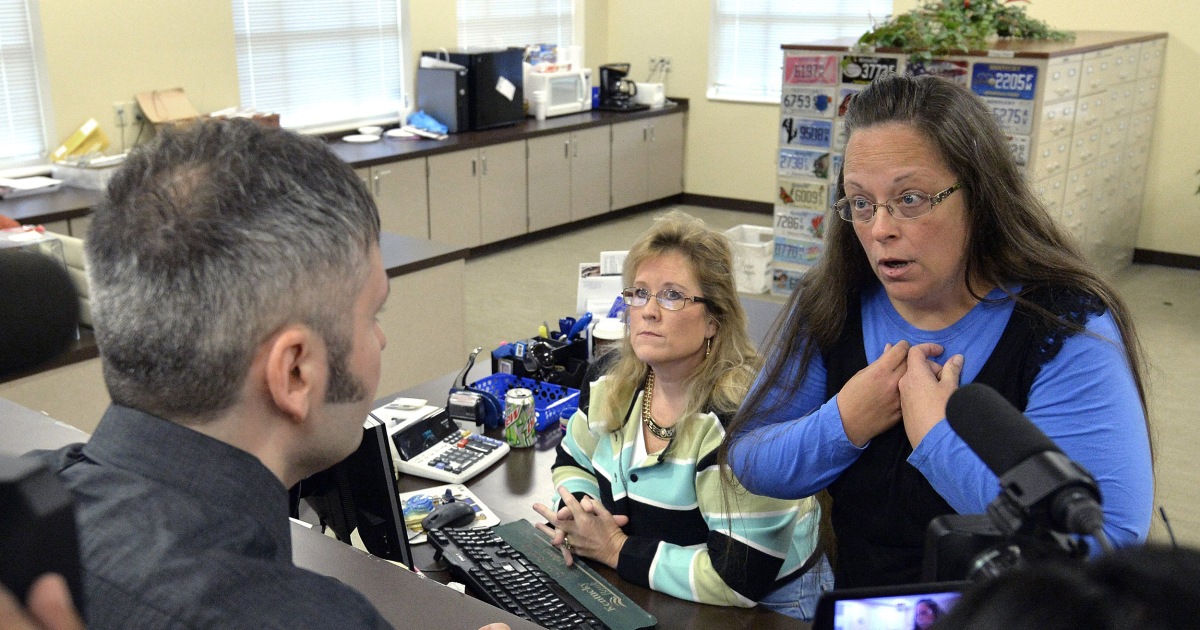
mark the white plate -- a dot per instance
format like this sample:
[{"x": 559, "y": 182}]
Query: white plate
[
  {"x": 399, "y": 133},
  {"x": 358, "y": 137}
]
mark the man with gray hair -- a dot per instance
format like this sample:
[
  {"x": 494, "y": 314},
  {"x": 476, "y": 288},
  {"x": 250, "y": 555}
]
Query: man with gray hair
[{"x": 235, "y": 281}]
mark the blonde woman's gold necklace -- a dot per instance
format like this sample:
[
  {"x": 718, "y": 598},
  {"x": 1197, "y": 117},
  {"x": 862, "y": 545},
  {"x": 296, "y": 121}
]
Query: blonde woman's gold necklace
[{"x": 657, "y": 430}]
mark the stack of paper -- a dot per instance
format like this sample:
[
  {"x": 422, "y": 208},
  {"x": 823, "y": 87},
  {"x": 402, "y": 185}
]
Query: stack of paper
[{"x": 20, "y": 187}]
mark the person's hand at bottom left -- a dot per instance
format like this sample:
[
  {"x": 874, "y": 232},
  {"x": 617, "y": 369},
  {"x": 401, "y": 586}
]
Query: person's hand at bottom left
[
  {"x": 49, "y": 607},
  {"x": 584, "y": 528}
]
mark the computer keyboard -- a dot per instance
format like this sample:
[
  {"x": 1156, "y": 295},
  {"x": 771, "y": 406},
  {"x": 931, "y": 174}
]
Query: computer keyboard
[{"x": 499, "y": 574}]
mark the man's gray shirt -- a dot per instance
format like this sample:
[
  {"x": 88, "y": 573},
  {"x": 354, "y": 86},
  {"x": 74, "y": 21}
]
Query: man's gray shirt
[{"x": 179, "y": 530}]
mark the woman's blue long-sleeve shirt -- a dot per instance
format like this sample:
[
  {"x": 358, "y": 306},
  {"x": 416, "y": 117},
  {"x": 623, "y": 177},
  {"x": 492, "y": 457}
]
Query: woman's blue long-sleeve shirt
[{"x": 1084, "y": 399}]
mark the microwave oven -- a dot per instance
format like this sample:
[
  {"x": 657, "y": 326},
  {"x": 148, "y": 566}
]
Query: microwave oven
[{"x": 567, "y": 91}]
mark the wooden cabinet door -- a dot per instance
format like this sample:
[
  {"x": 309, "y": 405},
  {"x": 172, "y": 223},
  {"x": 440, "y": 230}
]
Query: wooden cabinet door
[
  {"x": 590, "y": 172},
  {"x": 550, "y": 180},
  {"x": 503, "y": 196},
  {"x": 665, "y": 165},
  {"x": 454, "y": 198},
  {"x": 629, "y": 141},
  {"x": 401, "y": 192}
]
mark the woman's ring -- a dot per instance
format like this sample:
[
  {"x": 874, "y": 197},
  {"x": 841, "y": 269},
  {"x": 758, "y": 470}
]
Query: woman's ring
[{"x": 566, "y": 543}]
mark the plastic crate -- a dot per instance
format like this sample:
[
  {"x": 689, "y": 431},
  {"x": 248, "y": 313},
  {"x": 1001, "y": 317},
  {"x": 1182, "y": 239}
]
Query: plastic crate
[{"x": 550, "y": 401}]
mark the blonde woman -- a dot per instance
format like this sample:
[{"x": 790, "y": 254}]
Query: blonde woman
[{"x": 640, "y": 489}]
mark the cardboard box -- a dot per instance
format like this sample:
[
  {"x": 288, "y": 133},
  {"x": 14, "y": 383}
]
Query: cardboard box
[
  {"x": 785, "y": 278},
  {"x": 752, "y": 248},
  {"x": 167, "y": 107}
]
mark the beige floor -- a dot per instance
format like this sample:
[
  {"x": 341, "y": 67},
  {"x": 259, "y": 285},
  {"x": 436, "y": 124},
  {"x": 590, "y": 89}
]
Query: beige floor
[{"x": 511, "y": 292}]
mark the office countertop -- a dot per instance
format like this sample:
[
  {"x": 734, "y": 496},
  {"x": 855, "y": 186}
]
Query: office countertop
[
  {"x": 69, "y": 203},
  {"x": 393, "y": 149}
]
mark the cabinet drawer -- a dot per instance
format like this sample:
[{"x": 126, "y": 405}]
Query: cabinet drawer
[
  {"x": 1050, "y": 191},
  {"x": 1079, "y": 185},
  {"x": 1062, "y": 78},
  {"x": 1119, "y": 99},
  {"x": 1093, "y": 72},
  {"x": 1113, "y": 134},
  {"x": 1151, "y": 61},
  {"x": 1085, "y": 148},
  {"x": 1050, "y": 159},
  {"x": 1074, "y": 218},
  {"x": 1146, "y": 93},
  {"x": 1089, "y": 112},
  {"x": 1124, "y": 63},
  {"x": 1104, "y": 176},
  {"x": 1141, "y": 127},
  {"x": 1058, "y": 120}
]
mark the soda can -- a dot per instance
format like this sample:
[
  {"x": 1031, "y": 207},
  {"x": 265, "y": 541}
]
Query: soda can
[{"x": 520, "y": 418}]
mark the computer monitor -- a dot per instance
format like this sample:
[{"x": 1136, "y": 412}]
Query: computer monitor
[{"x": 359, "y": 493}]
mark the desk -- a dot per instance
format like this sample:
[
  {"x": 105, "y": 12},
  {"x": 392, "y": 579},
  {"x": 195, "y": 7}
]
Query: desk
[
  {"x": 403, "y": 598},
  {"x": 513, "y": 485}
]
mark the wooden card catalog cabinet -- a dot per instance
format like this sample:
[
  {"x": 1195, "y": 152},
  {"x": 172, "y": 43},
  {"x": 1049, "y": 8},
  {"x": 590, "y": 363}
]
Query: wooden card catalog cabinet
[{"x": 1080, "y": 119}]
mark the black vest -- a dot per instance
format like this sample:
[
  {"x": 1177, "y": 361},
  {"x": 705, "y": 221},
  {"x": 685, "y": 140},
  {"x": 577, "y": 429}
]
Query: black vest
[{"x": 881, "y": 503}]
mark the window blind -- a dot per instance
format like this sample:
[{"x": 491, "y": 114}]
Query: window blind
[
  {"x": 22, "y": 91},
  {"x": 501, "y": 23},
  {"x": 321, "y": 65},
  {"x": 745, "y": 61}
]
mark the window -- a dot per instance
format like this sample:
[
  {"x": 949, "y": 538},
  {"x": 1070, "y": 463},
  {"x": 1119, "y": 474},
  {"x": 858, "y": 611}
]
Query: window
[
  {"x": 322, "y": 66},
  {"x": 745, "y": 61},
  {"x": 23, "y": 106},
  {"x": 498, "y": 23}
]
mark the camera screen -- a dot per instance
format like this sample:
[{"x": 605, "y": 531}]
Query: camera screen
[{"x": 895, "y": 612}]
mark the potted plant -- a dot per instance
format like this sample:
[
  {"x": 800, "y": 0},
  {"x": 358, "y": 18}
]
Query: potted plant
[{"x": 945, "y": 27}]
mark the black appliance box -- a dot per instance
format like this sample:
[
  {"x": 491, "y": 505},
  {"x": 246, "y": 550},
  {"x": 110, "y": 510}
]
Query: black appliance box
[
  {"x": 495, "y": 85},
  {"x": 442, "y": 93}
]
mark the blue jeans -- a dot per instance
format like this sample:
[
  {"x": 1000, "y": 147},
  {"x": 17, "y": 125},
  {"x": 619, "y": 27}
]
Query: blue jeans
[{"x": 798, "y": 598}]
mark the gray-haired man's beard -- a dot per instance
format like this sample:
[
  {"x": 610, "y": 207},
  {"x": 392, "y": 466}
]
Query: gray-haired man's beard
[{"x": 344, "y": 387}]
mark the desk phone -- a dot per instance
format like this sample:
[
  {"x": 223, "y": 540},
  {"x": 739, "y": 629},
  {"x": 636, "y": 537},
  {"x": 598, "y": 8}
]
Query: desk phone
[{"x": 434, "y": 447}]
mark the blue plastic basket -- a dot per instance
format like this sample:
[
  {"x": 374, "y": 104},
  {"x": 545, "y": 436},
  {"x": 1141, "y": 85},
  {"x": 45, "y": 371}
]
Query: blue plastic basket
[{"x": 551, "y": 401}]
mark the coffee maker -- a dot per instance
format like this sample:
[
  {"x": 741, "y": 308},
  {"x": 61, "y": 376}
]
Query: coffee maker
[{"x": 616, "y": 92}]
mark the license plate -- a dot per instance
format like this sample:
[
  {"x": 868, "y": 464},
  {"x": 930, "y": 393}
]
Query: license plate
[
  {"x": 792, "y": 222},
  {"x": 863, "y": 70},
  {"x": 797, "y": 251},
  {"x": 1004, "y": 80},
  {"x": 804, "y": 194},
  {"x": 845, "y": 94},
  {"x": 810, "y": 70},
  {"x": 953, "y": 69},
  {"x": 1015, "y": 116},
  {"x": 802, "y": 163},
  {"x": 1019, "y": 145},
  {"x": 807, "y": 132},
  {"x": 839, "y": 137},
  {"x": 799, "y": 101}
]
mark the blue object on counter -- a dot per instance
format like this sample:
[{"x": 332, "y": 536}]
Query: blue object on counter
[
  {"x": 579, "y": 326},
  {"x": 421, "y": 120},
  {"x": 619, "y": 306},
  {"x": 596, "y": 97},
  {"x": 418, "y": 504},
  {"x": 550, "y": 401}
]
